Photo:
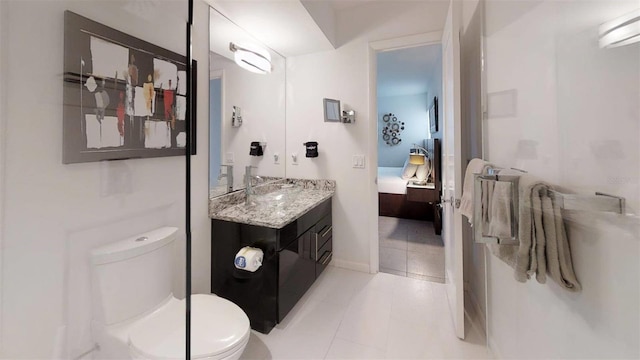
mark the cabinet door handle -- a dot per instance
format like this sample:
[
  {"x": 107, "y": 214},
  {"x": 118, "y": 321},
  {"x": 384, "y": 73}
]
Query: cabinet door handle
[
  {"x": 326, "y": 232},
  {"x": 327, "y": 259},
  {"x": 316, "y": 258}
]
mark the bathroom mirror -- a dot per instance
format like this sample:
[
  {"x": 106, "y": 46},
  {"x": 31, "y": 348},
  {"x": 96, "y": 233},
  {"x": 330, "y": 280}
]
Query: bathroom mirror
[
  {"x": 331, "y": 110},
  {"x": 245, "y": 107}
]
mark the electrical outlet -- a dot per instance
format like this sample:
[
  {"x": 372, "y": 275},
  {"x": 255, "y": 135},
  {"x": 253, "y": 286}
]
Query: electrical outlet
[
  {"x": 229, "y": 158},
  {"x": 294, "y": 159},
  {"x": 358, "y": 161}
]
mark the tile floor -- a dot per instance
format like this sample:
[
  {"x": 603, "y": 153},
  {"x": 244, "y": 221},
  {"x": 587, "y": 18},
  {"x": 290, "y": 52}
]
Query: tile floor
[
  {"x": 410, "y": 248},
  {"x": 352, "y": 315}
]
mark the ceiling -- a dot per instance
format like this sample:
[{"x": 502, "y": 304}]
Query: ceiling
[
  {"x": 339, "y": 5},
  {"x": 409, "y": 71},
  {"x": 299, "y": 27},
  {"x": 223, "y": 31},
  {"x": 283, "y": 25}
]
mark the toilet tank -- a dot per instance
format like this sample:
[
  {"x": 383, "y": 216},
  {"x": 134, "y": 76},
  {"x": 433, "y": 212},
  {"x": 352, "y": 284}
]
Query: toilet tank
[{"x": 132, "y": 276}]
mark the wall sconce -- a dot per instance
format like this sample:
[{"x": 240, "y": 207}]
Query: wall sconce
[
  {"x": 251, "y": 58},
  {"x": 624, "y": 30},
  {"x": 348, "y": 116}
]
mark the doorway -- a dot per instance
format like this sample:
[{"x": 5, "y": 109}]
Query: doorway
[{"x": 408, "y": 86}]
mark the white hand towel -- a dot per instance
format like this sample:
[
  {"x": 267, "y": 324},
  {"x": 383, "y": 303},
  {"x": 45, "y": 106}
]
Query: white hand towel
[
  {"x": 475, "y": 166},
  {"x": 543, "y": 244}
]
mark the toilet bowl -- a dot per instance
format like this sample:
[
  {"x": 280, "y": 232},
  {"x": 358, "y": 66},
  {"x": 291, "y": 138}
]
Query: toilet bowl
[
  {"x": 137, "y": 317},
  {"x": 219, "y": 330}
]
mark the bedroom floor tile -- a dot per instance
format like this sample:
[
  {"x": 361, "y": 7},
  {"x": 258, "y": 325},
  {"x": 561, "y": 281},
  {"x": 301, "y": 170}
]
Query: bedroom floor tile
[
  {"x": 410, "y": 248},
  {"x": 393, "y": 272},
  {"x": 393, "y": 259},
  {"x": 400, "y": 244},
  {"x": 425, "y": 264},
  {"x": 436, "y": 279}
]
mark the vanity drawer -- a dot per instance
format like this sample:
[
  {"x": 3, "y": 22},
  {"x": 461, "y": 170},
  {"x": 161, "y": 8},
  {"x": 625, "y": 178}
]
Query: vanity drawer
[
  {"x": 323, "y": 257},
  {"x": 324, "y": 230},
  {"x": 310, "y": 219}
]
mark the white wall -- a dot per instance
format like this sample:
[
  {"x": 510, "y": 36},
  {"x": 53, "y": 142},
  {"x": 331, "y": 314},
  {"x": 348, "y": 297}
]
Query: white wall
[
  {"x": 578, "y": 105},
  {"x": 344, "y": 74},
  {"x": 54, "y": 213},
  {"x": 435, "y": 83},
  {"x": 413, "y": 111}
]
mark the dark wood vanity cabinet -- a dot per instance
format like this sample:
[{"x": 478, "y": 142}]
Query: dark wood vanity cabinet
[{"x": 294, "y": 256}]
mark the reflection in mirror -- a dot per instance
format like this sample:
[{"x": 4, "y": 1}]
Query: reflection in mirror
[{"x": 245, "y": 107}]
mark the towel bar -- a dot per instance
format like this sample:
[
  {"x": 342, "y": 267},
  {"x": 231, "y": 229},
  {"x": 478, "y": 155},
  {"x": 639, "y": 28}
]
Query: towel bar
[{"x": 599, "y": 202}]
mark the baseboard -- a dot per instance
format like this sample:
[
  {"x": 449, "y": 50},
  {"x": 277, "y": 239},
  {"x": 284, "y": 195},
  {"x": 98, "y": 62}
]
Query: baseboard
[{"x": 350, "y": 265}]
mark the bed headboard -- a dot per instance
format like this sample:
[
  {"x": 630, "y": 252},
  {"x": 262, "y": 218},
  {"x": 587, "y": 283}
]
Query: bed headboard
[{"x": 433, "y": 147}]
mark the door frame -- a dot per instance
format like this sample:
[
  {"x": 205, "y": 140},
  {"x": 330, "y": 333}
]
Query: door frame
[{"x": 375, "y": 47}]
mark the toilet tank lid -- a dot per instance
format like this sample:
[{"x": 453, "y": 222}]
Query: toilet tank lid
[{"x": 133, "y": 246}]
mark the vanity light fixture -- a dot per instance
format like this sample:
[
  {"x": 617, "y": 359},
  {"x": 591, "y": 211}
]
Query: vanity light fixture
[
  {"x": 620, "y": 31},
  {"x": 252, "y": 58}
]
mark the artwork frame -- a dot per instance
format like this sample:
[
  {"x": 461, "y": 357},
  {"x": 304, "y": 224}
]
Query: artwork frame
[
  {"x": 123, "y": 97},
  {"x": 433, "y": 116}
]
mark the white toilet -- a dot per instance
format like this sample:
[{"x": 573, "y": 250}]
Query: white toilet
[{"x": 136, "y": 315}]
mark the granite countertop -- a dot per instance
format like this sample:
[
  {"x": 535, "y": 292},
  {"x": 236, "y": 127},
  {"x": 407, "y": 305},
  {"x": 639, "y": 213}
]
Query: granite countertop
[{"x": 303, "y": 196}]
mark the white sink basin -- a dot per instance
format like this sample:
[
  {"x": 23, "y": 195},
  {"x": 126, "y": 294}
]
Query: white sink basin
[{"x": 286, "y": 193}]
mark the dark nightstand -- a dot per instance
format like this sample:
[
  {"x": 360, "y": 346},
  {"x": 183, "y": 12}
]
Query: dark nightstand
[
  {"x": 422, "y": 193},
  {"x": 426, "y": 194}
]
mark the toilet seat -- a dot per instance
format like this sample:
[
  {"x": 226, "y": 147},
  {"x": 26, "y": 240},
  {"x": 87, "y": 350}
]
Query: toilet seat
[{"x": 219, "y": 329}]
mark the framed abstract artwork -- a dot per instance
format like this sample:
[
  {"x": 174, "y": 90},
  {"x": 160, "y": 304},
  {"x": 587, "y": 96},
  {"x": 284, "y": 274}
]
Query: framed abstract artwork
[
  {"x": 123, "y": 97},
  {"x": 433, "y": 116}
]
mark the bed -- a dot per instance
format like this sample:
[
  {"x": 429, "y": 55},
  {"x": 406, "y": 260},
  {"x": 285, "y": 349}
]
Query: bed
[
  {"x": 390, "y": 181},
  {"x": 392, "y": 189}
]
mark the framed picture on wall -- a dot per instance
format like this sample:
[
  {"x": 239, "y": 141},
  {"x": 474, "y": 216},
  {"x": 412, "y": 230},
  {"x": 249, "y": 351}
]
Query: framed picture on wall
[
  {"x": 433, "y": 116},
  {"x": 123, "y": 97}
]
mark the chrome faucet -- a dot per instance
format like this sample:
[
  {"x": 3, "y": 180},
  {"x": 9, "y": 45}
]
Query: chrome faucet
[
  {"x": 228, "y": 175},
  {"x": 248, "y": 188}
]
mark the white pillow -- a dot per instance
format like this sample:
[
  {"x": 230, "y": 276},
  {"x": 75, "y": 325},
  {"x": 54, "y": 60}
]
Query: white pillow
[
  {"x": 408, "y": 170},
  {"x": 422, "y": 172}
]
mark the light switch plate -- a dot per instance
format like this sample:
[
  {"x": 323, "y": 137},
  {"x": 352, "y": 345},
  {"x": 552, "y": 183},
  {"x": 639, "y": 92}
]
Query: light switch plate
[
  {"x": 294, "y": 159},
  {"x": 229, "y": 158},
  {"x": 358, "y": 161},
  {"x": 276, "y": 158}
]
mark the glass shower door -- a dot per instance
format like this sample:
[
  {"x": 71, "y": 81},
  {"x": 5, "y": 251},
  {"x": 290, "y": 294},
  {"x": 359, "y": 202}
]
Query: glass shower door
[{"x": 55, "y": 214}]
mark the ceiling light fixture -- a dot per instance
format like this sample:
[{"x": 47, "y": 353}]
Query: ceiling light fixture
[
  {"x": 251, "y": 58},
  {"x": 621, "y": 31}
]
